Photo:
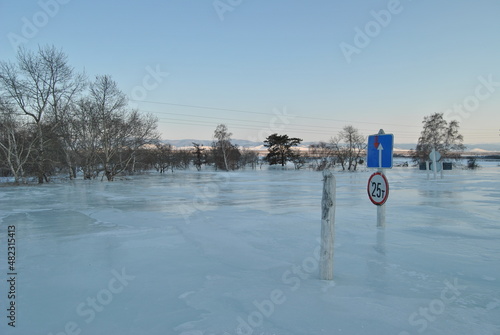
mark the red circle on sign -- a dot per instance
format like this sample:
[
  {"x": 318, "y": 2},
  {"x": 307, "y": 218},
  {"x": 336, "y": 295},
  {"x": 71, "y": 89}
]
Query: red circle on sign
[{"x": 378, "y": 188}]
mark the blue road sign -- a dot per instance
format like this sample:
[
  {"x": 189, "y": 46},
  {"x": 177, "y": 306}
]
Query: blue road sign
[{"x": 379, "y": 151}]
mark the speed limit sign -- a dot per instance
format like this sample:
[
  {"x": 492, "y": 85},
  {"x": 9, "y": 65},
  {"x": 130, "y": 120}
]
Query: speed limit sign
[{"x": 378, "y": 188}]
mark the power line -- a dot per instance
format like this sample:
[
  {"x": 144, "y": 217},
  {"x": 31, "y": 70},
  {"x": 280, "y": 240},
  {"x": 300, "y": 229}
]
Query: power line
[
  {"x": 213, "y": 125},
  {"x": 266, "y": 114},
  {"x": 328, "y": 130},
  {"x": 229, "y": 119},
  {"x": 306, "y": 128},
  {"x": 288, "y": 128}
]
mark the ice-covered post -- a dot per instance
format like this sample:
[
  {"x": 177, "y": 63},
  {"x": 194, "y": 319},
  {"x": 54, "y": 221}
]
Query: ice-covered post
[
  {"x": 434, "y": 163},
  {"x": 327, "y": 226},
  {"x": 381, "y": 209}
]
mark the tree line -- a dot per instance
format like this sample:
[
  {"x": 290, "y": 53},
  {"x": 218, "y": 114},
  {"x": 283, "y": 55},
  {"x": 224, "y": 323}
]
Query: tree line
[
  {"x": 53, "y": 120},
  {"x": 345, "y": 150}
]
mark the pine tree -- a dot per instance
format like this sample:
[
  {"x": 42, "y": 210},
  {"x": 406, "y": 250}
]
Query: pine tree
[{"x": 280, "y": 149}]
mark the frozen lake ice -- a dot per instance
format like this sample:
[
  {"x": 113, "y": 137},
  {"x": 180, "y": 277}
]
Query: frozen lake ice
[{"x": 202, "y": 253}]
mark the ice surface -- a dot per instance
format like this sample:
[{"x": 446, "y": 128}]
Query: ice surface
[{"x": 201, "y": 253}]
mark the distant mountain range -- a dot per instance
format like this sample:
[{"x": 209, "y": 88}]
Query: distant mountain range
[{"x": 482, "y": 147}]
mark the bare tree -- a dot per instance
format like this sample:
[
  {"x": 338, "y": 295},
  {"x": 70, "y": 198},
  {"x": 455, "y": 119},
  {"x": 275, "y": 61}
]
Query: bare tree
[
  {"x": 66, "y": 85},
  {"x": 121, "y": 132},
  {"x": 162, "y": 157},
  {"x": 323, "y": 155},
  {"x": 298, "y": 160},
  {"x": 222, "y": 147},
  {"x": 48, "y": 126},
  {"x": 349, "y": 146},
  {"x": 339, "y": 150},
  {"x": 41, "y": 85},
  {"x": 249, "y": 156},
  {"x": 17, "y": 141},
  {"x": 182, "y": 158},
  {"x": 86, "y": 127}
]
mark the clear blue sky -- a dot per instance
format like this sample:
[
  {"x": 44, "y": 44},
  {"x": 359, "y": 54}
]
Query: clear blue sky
[{"x": 323, "y": 63}]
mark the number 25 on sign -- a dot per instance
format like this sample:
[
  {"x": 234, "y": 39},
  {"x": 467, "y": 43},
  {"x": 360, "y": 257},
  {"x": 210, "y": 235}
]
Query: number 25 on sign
[{"x": 378, "y": 188}]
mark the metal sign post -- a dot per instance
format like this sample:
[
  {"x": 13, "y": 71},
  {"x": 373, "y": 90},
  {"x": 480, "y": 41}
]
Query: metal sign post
[
  {"x": 435, "y": 156},
  {"x": 378, "y": 192}
]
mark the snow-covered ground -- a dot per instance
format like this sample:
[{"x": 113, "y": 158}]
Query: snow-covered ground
[{"x": 201, "y": 253}]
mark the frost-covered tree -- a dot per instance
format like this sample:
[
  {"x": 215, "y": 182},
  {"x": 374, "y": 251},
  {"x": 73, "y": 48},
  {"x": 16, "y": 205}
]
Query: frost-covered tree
[
  {"x": 348, "y": 147},
  {"x": 225, "y": 155},
  {"x": 41, "y": 85},
  {"x": 323, "y": 155},
  {"x": 440, "y": 135},
  {"x": 110, "y": 134},
  {"x": 17, "y": 142},
  {"x": 249, "y": 157}
]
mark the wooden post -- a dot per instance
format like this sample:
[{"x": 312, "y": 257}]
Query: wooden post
[{"x": 327, "y": 226}]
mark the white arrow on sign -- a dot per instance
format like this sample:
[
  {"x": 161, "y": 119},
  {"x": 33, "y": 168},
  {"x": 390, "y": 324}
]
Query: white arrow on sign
[{"x": 380, "y": 148}]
